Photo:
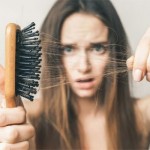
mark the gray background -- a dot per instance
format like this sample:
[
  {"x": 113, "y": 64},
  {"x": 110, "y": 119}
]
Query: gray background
[{"x": 135, "y": 15}]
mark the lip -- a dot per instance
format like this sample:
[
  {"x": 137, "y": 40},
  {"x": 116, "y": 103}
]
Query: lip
[{"x": 85, "y": 83}]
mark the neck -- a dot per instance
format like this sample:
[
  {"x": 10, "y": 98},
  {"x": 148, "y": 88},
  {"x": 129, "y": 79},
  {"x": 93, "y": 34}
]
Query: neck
[{"x": 88, "y": 107}]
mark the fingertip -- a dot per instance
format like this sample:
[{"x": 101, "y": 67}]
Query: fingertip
[{"x": 129, "y": 62}]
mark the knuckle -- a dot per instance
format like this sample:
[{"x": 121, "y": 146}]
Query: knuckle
[
  {"x": 32, "y": 130},
  {"x": 12, "y": 134},
  {"x": 22, "y": 113},
  {"x": 3, "y": 118},
  {"x": 139, "y": 63}
]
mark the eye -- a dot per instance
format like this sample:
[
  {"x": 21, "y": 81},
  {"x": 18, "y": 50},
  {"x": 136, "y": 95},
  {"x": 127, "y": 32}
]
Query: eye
[
  {"x": 98, "y": 48},
  {"x": 67, "y": 49}
]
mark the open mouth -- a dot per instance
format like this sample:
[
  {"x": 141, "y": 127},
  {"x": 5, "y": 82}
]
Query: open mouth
[
  {"x": 85, "y": 83},
  {"x": 85, "y": 80}
]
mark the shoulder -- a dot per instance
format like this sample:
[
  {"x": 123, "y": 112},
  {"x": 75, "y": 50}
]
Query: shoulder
[{"x": 143, "y": 110}]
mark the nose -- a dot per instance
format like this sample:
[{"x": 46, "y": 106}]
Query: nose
[{"x": 84, "y": 65}]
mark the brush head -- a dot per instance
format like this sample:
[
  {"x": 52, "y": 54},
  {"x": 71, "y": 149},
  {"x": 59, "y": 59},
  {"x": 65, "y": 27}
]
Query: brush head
[{"x": 28, "y": 59}]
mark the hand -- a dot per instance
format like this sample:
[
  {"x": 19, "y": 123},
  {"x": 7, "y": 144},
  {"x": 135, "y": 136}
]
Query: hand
[
  {"x": 140, "y": 62},
  {"x": 14, "y": 131},
  {"x": 2, "y": 71}
]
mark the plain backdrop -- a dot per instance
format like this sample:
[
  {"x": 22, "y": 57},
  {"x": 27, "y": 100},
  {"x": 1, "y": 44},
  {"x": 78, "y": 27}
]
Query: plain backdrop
[{"x": 135, "y": 15}]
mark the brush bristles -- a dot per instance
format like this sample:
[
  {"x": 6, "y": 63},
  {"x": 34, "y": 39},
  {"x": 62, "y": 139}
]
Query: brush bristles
[{"x": 28, "y": 59}]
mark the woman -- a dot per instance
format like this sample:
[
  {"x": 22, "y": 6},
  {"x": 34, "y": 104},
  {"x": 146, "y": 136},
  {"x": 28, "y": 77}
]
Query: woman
[{"x": 91, "y": 106}]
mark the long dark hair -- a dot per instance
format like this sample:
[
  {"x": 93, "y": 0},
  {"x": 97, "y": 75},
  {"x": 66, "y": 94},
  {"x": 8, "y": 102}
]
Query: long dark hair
[{"x": 57, "y": 127}]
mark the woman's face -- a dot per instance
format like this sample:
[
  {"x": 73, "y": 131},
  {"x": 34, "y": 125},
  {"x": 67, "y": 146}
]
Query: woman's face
[{"x": 83, "y": 37}]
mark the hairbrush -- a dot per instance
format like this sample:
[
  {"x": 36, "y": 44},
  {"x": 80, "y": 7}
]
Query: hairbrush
[{"x": 22, "y": 62}]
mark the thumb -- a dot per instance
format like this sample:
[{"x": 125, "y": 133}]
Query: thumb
[
  {"x": 129, "y": 62},
  {"x": 2, "y": 79},
  {"x": 2, "y": 89}
]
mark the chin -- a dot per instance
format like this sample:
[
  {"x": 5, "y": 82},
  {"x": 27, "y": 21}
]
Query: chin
[{"x": 85, "y": 93}]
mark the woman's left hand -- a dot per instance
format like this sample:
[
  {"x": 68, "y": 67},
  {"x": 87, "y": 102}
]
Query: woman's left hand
[{"x": 140, "y": 62}]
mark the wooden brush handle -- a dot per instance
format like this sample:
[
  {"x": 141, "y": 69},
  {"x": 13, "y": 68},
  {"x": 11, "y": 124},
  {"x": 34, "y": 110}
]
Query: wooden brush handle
[{"x": 10, "y": 63}]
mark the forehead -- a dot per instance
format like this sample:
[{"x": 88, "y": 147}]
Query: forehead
[{"x": 83, "y": 28}]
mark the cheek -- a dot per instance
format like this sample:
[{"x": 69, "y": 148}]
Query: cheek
[
  {"x": 99, "y": 63},
  {"x": 68, "y": 64}
]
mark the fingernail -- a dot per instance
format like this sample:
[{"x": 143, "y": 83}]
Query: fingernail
[{"x": 137, "y": 75}]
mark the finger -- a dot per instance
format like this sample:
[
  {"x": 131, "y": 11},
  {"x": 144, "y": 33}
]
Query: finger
[
  {"x": 18, "y": 146},
  {"x": 141, "y": 55},
  {"x": 148, "y": 77},
  {"x": 129, "y": 62},
  {"x": 148, "y": 69},
  {"x": 16, "y": 133},
  {"x": 2, "y": 75},
  {"x": 10, "y": 116}
]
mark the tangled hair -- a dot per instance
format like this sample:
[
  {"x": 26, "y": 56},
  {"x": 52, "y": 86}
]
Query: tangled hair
[{"x": 58, "y": 127}]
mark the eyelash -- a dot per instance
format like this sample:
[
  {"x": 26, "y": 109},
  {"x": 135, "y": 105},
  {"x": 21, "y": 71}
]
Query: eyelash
[
  {"x": 100, "y": 47},
  {"x": 71, "y": 49},
  {"x": 66, "y": 48}
]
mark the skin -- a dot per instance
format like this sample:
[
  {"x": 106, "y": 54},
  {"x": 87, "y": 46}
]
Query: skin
[
  {"x": 15, "y": 132},
  {"x": 140, "y": 62},
  {"x": 84, "y": 60},
  {"x": 80, "y": 63}
]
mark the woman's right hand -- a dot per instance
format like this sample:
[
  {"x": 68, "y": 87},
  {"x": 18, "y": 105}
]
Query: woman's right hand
[{"x": 15, "y": 132}]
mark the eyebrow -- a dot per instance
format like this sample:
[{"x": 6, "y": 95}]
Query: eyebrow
[
  {"x": 98, "y": 43},
  {"x": 91, "y": 44}
]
